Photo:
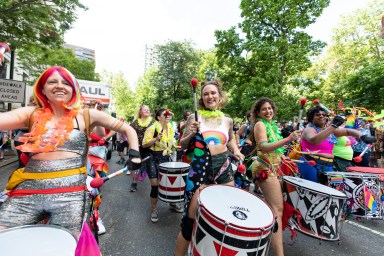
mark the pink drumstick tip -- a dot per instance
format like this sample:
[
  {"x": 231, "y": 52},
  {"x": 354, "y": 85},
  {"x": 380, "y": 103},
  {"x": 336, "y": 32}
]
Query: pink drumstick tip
[{"x": 97, "y": 182}]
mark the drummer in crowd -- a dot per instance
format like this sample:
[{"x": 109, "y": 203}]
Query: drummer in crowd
[
  {"x": 217, "y": 131},
  {"x": 160, "y": 139},
  {"x": 55, "y": 184},
  {"x": 319, "y": 139},
  {"x": 142, "y": 121},
  {"x": 266, "y": 168}
]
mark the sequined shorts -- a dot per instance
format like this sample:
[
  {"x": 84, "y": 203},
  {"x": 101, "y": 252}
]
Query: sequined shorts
[{"x": 63, "y": 209}]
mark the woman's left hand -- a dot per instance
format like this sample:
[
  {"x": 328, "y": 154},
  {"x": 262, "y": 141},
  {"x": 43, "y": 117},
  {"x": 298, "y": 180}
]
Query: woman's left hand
[
  {"x": 294, "y": 135},
  {"x": 238, "y": 155}
]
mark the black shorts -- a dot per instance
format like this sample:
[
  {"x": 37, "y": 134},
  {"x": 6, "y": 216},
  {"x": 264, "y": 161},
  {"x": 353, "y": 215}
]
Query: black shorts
[{"x": 121, "y": 146}]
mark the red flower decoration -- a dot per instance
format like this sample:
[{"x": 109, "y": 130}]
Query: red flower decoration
[{"x": 262, "y": 175}]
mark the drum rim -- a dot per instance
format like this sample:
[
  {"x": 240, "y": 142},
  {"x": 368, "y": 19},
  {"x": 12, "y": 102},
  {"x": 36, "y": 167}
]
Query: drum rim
[
  {"x": 361, "y": 171},
  {"x": 354, "y": 174},
  {"x": 178, "y": 168},
  {"x": 40, "y": 226},
  {"x": 319, "y": 192},
  {"x": 268, "y": 227}
]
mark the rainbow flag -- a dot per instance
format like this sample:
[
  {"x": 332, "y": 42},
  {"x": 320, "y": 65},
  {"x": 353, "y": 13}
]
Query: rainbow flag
[
  {"x": 336, "y": 180},
  {"x": 369, "y": 200},
  {"x": 87, "y": 245}
]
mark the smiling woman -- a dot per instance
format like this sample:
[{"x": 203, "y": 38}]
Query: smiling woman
[{"x": 53, "y": 180}]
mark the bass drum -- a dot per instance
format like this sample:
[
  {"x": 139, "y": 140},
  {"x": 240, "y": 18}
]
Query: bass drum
[{"x": 37, "y": 240}]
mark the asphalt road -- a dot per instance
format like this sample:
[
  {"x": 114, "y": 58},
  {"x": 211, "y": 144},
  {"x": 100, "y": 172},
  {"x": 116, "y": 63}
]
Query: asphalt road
[{"x": 130, "y": 231}]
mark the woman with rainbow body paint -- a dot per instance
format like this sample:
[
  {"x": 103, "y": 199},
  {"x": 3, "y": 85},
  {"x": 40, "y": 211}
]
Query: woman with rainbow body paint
[
  {"x": 217, "y": 131},
  {"x": 53, "y": 180}
]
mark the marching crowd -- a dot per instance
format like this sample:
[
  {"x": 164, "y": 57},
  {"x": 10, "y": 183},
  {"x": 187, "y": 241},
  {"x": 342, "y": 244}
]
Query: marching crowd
[{"x": 54, "y": 151}]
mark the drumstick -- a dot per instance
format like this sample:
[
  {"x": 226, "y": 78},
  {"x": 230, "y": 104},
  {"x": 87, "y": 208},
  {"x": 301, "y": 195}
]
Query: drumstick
[
  {"x": 359, "y": 158},
  {"x": 310, "y": 162},
  {"x": 302, "y": 103},
  {"x": 194, "y": 83},
  {"x": 98, "y": 182}
]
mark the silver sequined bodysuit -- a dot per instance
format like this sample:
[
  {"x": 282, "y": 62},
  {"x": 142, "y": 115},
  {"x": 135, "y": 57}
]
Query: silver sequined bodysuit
[{"x": 64, "y": 209}]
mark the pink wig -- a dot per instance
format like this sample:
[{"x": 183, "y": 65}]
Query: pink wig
[{"x": 41, "y": 99}]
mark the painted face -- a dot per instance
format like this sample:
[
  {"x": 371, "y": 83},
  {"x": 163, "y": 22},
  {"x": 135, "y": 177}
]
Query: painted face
[
  {"x": 210, "y": 95},
  {"x": 320, "y": 118},
  {"x": 266, "y": 111},
  {"x": 57, "y": 89},
  {"x": 144, "y": 111},
  {"x": 162, "y": 118}
]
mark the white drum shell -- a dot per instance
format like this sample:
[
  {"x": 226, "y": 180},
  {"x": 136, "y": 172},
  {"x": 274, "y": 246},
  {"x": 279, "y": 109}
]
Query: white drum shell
[{"x": 37, "y": 240}]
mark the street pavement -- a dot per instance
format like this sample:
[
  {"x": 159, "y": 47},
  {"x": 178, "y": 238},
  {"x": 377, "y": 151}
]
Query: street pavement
[{"x": 126, "y": 216}]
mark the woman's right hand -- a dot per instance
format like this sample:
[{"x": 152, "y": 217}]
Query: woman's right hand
[
  {"x": 159, "y": 136},
  {"x": 195, "y": 126}
]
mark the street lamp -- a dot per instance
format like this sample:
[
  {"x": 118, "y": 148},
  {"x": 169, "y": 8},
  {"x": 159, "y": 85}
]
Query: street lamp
[{"x": 208, "y": 75}]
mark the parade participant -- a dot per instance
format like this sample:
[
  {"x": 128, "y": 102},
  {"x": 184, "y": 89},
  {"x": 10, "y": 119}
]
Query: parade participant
[
  {"x": 269, "y": 145},
  {"x": 360, "y": 146},
  {"x": 217, "y": 130},
  {"x": 181, "y": 129},
  {"x": 142, "y": 121},
  {"x": 318, "y": 140},
  {"x": 53, "y": 181},
  {"x": 160, "y": 139}
]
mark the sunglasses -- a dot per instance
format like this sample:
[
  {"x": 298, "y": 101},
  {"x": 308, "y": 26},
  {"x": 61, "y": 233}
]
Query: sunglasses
[{"x": 321, "y": 114}]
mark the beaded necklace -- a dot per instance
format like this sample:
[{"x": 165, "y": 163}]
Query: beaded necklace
[{"x": 273, "y": 134}]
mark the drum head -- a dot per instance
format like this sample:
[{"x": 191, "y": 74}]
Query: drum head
[
  {"x": 174, "y": 165},
  {"x": 310, "y": 185},
  {"x": 236, "y": 206},
  {"x": 37, "y": 240}
]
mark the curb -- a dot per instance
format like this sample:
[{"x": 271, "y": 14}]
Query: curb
[{"x": 8, "y": 161}]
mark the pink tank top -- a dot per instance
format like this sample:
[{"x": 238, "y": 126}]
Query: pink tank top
[{"x": 324, "y": 147}]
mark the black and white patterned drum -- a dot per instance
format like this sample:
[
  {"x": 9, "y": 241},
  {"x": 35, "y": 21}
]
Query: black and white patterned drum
[
  {"x": 321, "y": 208},
  {"x": 37, "y": 240},
  {"x": 231, "y": 221},
  {"x": 172, "y": 180},
  {"x": 364, "y": 192}
]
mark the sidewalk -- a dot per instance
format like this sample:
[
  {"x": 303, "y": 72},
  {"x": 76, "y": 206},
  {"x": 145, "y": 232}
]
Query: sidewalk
[{"x": 10, "y": 158}]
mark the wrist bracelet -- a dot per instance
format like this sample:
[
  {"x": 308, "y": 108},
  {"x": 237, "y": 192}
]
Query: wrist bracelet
[{"x": 335, "y": 126}]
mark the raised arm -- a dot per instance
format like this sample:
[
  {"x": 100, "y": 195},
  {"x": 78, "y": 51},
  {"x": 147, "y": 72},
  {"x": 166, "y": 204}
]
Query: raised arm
[
  {"x": 191, "y": 128},
  {"x": 16, "y": 119}
]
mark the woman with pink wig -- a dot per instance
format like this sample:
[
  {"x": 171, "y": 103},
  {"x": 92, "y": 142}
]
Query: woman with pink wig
[{"x": 53, "y": 180}]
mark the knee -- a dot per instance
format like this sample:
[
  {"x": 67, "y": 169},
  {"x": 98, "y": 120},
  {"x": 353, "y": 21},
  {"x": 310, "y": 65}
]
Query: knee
[
  {"x": 154, "y": 191},
  {"x": 187, "y": 228}
]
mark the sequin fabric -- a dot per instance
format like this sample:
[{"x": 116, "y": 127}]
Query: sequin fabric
[{"x": 64, "y": 209}]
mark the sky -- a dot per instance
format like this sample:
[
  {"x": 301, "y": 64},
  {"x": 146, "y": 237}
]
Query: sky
[{"x": 118, "y": 30}]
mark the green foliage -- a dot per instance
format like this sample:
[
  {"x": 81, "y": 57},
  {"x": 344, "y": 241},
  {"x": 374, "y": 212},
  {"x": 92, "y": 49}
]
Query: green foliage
[
  {"x": 355, "y": 51},
  {"x": 267, "y": 51},
  {"x": 170, "y": 81},
  {"x": 82, "y": 69},
  {"x": 366, "y": 87},
  {"x": 123, "y": 97},
  {"x": 38, "y": 23}
]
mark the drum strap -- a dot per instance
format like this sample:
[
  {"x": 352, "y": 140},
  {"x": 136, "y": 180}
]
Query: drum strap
[
  {"x": 26, "y": 192},
  {"x": 222, "y": 169}
]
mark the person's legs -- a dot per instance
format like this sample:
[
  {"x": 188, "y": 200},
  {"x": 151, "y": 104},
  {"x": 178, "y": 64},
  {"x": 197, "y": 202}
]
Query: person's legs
[
  {"x": 273, "y": 195},
  {"x": 181, "y": 241}
]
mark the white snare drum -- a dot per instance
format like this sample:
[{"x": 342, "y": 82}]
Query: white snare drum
[
  {"x": 353, "y": 184},
  {"x": 231, "y": 221},
  {"x": 172, "y": 177},
  {"x": 321, "y": 208},
  {"x": 37, "y": 240}
]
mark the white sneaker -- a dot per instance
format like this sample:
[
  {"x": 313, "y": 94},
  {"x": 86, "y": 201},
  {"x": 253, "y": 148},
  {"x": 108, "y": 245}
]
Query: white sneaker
[
  {"x": 101, "y": 227},
  {"x": 128, "y": 172}
]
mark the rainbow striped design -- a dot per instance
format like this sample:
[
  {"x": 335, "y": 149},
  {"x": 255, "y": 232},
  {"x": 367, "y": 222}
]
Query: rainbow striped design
[
  {"x": 336, "y": 180},
  {"x": 214, "y": 138},
  {"x": 369, "y": 200},
  {"x": 350, "y": 122},
  {"x": 41, "y": 99}
]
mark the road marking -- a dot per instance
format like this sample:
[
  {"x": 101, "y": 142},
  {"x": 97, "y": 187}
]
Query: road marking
[{"x": 363, "y": 227}]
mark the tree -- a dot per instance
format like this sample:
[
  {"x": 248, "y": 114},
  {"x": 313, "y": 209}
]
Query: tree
[
  {"x": 81, "y": 69},
  {"x": 352, "y": 59},
  {"x": 123, "y": 96},
  {"x": 177, "y": 64},
  {"x": 38, "y": 23},
  {"x": 268, "y": 49}
]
